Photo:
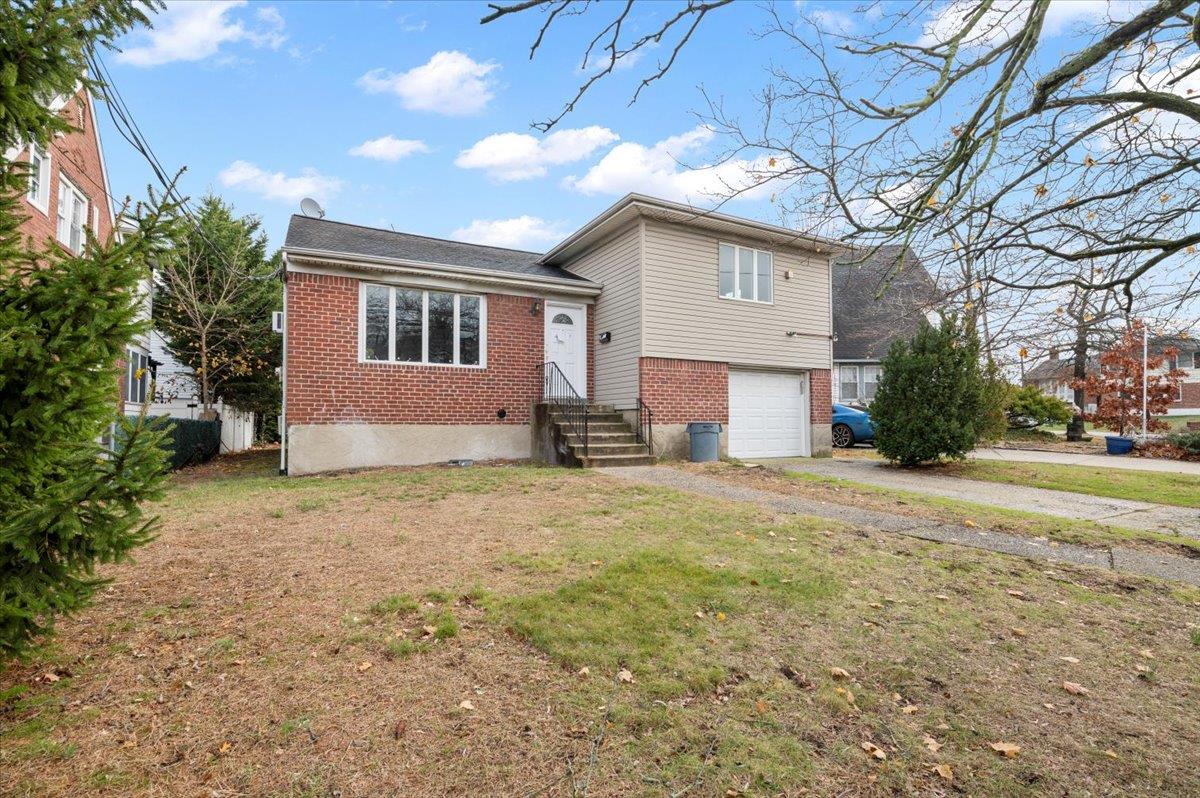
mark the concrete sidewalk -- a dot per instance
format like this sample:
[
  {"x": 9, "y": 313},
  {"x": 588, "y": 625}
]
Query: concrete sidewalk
[
  {"x": 1078, "y": 506},
  {"x": 1163, "y": 566},
  {"x": 1096, "y": 460}
]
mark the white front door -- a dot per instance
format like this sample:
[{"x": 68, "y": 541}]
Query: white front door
[
  {"x": 566, "y": 344},
  {"x": 768, "y": 414}
]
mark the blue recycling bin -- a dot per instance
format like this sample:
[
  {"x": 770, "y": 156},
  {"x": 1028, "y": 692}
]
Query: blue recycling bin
[{"x": 706, "y": 440}]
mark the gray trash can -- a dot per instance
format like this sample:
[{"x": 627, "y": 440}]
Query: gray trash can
[{"x": 706, "y": 440}]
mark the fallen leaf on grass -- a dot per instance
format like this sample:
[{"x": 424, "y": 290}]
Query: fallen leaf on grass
[
  {"x": 1019, "y": 632},
  {"x": 1075, "y": 689},
  {"x": 225, "y": 746},
  {"x": 1015, "y": 593},
  {"x": 839, "y": 673},
  {"x": 365, "y": 666},
  {"x": 931, "y": 744},
  {"x": 942, "y": 597},
  {"x": 969, "y": 524},
  {"x": 585, "y": 671},
  {"x": 1072, "y": 660},
  {"x": 945, "y": 771},
  {"x": 466, "y": 704},
  {"x": 1006, "y": 750},
  {"x": 1111, "y": 754},
  {"x": 874, "y": 750},
  {"x": 720, "y": 616},
  {"x": 911, "y": 709},
  {"x": 1146, "y": 653},
  {"x": 428, "y": 630},
  {"x": 625, "y": 675}
]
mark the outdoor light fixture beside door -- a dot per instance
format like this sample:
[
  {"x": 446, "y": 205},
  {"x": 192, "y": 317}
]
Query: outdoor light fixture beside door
[{"x": 535, "y": 307}]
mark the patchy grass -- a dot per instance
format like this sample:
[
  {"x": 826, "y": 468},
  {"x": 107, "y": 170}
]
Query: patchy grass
[
  {"x": 1182, "y": 490},
  {"x": 762, "y": 651}
]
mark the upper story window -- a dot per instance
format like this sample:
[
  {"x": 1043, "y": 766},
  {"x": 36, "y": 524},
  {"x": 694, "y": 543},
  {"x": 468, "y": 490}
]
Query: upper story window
[
  {"x": 410, "y": 325},
  {"x": 744, "y": 273},
  {"x": 1196, "y": 359},
  {"x": 39, "y": 178},
  {"x": 72, "y": 215}
]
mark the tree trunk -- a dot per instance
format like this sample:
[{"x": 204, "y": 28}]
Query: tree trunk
[{"x": 1075, "y": 429}]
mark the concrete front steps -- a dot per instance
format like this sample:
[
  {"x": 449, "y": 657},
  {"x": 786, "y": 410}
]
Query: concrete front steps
[{"x": 611, "y": 439}]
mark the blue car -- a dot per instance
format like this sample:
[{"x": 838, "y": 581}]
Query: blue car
[{"x": 851, "y": 426}]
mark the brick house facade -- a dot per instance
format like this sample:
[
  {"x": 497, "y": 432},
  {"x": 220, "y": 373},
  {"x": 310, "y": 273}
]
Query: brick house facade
[
  {"x": 68, "y": 197},
  {"x": 403, "y": 349}
]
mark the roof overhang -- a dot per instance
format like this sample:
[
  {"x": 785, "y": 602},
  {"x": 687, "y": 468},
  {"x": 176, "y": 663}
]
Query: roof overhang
[
  {"x": 633, "y": 206},
  {"x": 365, "y": 264}
]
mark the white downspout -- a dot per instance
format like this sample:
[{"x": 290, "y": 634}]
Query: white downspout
[{"x": 283, "y": 378}]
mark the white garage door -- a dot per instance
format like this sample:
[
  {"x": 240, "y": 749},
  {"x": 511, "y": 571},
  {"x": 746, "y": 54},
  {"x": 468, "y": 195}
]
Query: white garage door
[{"x": 768, "y": 414}]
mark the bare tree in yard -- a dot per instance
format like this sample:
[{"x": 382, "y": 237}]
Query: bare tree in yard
[{"x": 1029, "y": 176}]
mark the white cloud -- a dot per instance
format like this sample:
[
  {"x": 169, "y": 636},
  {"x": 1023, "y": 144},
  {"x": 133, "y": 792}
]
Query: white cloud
[
  {"x": 831, "y": 21},
  {"x": 520, "y": 156},
  {"x": 193, "y": 31},
  {"x": 1007, "y": 16},
  {"x": 450, "y": 83},
  {"x": 389, "y": 148},
  {"x": 521, "y": 232},
  {"x": 277, "y": 185},
  {"x": 657, "y": 170}
]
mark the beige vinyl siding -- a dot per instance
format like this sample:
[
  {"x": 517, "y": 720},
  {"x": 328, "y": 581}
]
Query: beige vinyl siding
[
  {"x": 684, "y": 318},
  {"x": 614, "y": 264}
]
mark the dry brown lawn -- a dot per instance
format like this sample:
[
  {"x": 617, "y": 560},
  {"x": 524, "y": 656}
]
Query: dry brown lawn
[{"x": 420, "y": 632}]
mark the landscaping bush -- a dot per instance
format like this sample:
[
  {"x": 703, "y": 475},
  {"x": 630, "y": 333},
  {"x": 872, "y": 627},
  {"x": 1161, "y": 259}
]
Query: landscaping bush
[
  {"x": 188, "y": 442},
  {"x": 932, "y": 399},
  {"x": 1029, "y": 407},
  {"x": 1187, "y": 440}
]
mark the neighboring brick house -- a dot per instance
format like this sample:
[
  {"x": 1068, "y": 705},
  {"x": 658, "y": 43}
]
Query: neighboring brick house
[
  {"x": 1055, "y": 374},
  {"x": 876, "y": 301},
  {"x": 402, "y": 349},
  {"x": 67, "y": 198}
]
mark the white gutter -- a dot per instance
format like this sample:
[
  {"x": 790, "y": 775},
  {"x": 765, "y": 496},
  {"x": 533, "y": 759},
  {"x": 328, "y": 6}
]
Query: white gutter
[{"x": 406, "y": 266}]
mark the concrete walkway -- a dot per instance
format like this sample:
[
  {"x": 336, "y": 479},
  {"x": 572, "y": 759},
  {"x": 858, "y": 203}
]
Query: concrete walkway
[
  {"x": 1164, "y": 566},
  {"x": 1096, "y": 460},
  {"x": 1078, "y": 506}
]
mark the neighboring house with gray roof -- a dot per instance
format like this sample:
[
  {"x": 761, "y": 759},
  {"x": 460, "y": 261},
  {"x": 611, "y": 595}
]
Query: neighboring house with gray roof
[
  {"x": 404, "y": 349},
  {"x": 877, "y": 300}
]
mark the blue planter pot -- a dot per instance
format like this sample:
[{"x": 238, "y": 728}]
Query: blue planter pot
[{"x": 1117, "y": 444}]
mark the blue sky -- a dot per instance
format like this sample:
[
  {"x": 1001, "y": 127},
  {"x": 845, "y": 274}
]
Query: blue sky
[{"x": 265, "y": 103}]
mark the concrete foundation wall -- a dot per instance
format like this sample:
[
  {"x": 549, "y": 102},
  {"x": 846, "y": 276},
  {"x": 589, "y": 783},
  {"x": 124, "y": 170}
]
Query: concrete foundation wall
[
  {"x": 313, "y": 448},
  {"x": 822, "y": 440},
  {"x": 671, "y": 441}
]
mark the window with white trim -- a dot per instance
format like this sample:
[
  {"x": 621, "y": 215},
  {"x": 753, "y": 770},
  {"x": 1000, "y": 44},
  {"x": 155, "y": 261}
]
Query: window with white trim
[
  {"x": 847, "y": 383},
  {"x": 137, "y": 376},
  {"x": 411, "y": 325},
  {"x": 870, "y": 381},
  {"x": 39, "y": 178},
  {"x": 744, "y": 273},
  {"x": 72, "y": 215}
]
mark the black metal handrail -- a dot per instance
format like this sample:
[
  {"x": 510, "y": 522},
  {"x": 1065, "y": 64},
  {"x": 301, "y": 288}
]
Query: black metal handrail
[
  {"x": 645, "y": 425},
  {"x": 560, "y": 394}
]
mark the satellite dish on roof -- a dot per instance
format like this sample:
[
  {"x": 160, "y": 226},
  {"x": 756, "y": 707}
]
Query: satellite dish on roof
[{"x": 311, "y": 208}]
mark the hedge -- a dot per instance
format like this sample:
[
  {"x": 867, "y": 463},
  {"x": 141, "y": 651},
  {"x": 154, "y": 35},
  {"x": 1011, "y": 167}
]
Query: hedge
[{"x": 190, "y": 442}]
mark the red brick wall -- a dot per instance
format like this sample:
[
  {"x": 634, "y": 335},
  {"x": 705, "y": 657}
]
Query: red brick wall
[
  {"x": 77, "y": 155},
  {"x": 820, "y": 396},
  {"x": 679, "y": 391},
  {"x": 326, "y": 383},
  {"x": 1191, "y": 395}
]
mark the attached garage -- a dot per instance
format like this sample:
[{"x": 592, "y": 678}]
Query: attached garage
[{"x": 768, "y": 414}]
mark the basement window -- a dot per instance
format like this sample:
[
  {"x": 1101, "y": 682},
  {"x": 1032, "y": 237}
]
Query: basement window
[{"x": 411, "y": 325}]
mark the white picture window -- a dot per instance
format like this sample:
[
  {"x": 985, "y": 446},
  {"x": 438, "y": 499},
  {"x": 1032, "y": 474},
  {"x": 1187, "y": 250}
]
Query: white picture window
[
  {"x": 412, "y": 325},
  {"x": 39, "y": 178},
  {"x": 744, "y": 273},
  {"x": 72, "y": 215}
]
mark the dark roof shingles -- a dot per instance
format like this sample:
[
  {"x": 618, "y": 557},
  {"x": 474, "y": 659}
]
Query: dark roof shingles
[
  {"x": 875, "y": 305},
  {"x": 340, "y": 237}
]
